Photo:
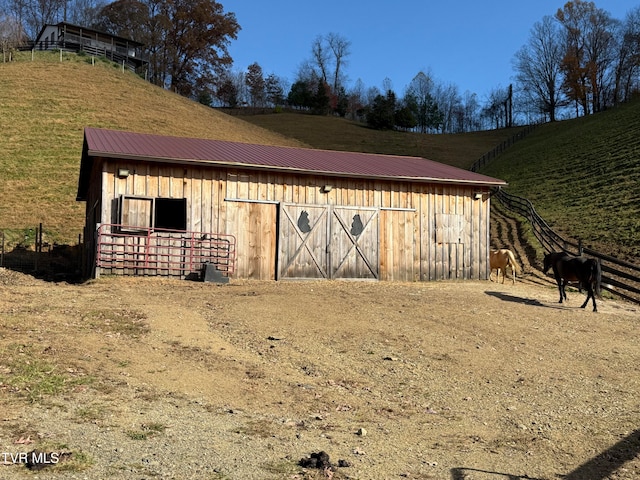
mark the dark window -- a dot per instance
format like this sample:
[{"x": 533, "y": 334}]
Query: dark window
[
  {"x": 139, "y": 214},
  {"x": 171, "y": 213}
]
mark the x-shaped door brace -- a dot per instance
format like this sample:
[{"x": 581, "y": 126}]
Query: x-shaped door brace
[
  {"x": 304, "y": 242},
  {"x": 354, "y": 244}
]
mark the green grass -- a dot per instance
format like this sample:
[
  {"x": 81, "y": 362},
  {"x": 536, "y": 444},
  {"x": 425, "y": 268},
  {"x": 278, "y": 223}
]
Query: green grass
[
  {"x": 582, "y": 175},
  {"x": 146, "y": 431},
  {"x": 33, "y": 378},
  {"x": 45, "y": 105}
]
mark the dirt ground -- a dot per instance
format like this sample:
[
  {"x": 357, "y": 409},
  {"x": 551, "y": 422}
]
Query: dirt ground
[
  {"x": 140, "y": 378},
  {"x": 444, "y": 380}
]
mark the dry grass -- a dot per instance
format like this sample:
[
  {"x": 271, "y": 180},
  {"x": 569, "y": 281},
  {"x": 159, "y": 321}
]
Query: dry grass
[
  {"x": 44, "y": 107},
  {"x": 330, "y": 133}
]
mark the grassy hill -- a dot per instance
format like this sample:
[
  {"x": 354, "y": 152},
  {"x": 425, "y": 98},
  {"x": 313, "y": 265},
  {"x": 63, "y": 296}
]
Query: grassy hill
[
  {"x": 331, "y": 133},
  {"x": 44, "y": 107},
  {"x": 582, "y": 175}
]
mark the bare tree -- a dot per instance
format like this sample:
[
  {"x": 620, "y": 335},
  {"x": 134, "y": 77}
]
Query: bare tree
[
  {"x": 421, "y": 90},
  {"x": 340, "y": 48},
  {"x": 538, "y": 67},
  {"x": 11, "y": 34},
  {"x": 627, "y": 67},
  {"x": 320, "y": 58},
  {"x": 33, "y": 15},
  {"x": 471, "y": 108},
  {"x": 448, "y": 100},
  {"x": 328, "y": 57}
]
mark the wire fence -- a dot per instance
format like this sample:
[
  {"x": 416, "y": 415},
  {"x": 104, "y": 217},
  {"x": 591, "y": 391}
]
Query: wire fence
[{"x": 36, "y": 257}]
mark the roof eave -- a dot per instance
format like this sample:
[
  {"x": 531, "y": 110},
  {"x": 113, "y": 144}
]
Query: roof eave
[{"x": 253, "y": 166}]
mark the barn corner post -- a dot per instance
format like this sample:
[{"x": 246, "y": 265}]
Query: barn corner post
[{"x": 487, "y": 245}]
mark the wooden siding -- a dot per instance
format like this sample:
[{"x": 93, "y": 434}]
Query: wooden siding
[{"x": 424, "y": 231}]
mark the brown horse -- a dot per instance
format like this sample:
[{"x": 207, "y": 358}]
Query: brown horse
[{"x": 499, "y": 260}]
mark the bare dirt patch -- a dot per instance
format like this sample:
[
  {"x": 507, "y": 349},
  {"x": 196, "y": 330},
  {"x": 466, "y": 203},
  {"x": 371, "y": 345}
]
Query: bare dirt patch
[{"x": 177, "y": 379}]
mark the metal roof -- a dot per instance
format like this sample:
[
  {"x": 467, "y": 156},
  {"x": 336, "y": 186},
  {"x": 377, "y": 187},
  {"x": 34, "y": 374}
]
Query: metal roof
[{"x": 168, "y": 149}]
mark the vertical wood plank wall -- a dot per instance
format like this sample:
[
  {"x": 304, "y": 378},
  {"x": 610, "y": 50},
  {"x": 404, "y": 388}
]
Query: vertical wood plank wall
[{"x": 413, "y": 246}]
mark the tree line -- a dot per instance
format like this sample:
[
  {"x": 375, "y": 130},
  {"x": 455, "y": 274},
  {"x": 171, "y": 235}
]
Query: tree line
[{"x": 576, "y": 62}]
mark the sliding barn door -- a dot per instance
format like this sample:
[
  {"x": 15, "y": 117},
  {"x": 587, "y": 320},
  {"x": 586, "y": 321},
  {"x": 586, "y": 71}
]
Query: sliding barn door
[
  {"x": 303, "y": 240},
  {"x": 354, "y": 243},
  {"x": 326, "y": 241}
]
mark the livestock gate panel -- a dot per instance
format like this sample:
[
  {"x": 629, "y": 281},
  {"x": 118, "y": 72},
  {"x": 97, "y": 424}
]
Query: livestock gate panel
[{"x": 162, "y": 252}]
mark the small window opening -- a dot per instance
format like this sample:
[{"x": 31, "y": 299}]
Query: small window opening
[{"x": 171, "y": 213}]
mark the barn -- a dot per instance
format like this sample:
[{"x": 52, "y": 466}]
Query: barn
[{"x": 161, "y": 205}]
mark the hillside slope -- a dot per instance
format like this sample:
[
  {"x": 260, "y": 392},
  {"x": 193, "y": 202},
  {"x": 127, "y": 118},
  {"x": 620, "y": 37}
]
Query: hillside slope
[
  {"x": 44, "y": 107},
  {"x": 583, "y": 177},
  {"x": 331, "y": 133}
]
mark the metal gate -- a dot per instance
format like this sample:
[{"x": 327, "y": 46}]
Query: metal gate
[
  {"x": 328, "y": 241},
  {"x": 162, "y": 251}
]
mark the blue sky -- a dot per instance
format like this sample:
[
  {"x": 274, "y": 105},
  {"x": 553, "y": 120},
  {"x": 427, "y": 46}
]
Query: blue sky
[{"x": 469, "y": 43}]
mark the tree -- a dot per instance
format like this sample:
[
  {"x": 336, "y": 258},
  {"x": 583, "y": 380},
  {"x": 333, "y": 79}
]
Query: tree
[
  {"x": 420, "y": 99},
  {"x": 274, "y": 90},
  {"x": 300, "y": 95},
  {"x": 496, "y": 110},
  {"x": 126, "y": 18},
  {"x": 340, "y": 48},
  {"x": 627, "y": 67},
  {"x": 356, "y": 100},
  {"x": 588, "y": 54},
  {"x": 538, "y": 67},
  {"x": 186, "y": 40},
  {"x": 447, "y": 102},
  {"x": 227, "y": 92},
  {"x": 381, "y": 114},
  {"x": 84, "y": 12},
  {"x": 404, "y": 118},
  {"x": 341, "y": 106},
  {"x": 320, "y": 104},
  {"x": 11, "y": 33},
  {"x": 254, "y": 80},
  {"x": 470, "y": 106},
  {"x": 320, "y": 59},
  {"x": 34, "y": 15},
  {"x": 328, "y": 57}
]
